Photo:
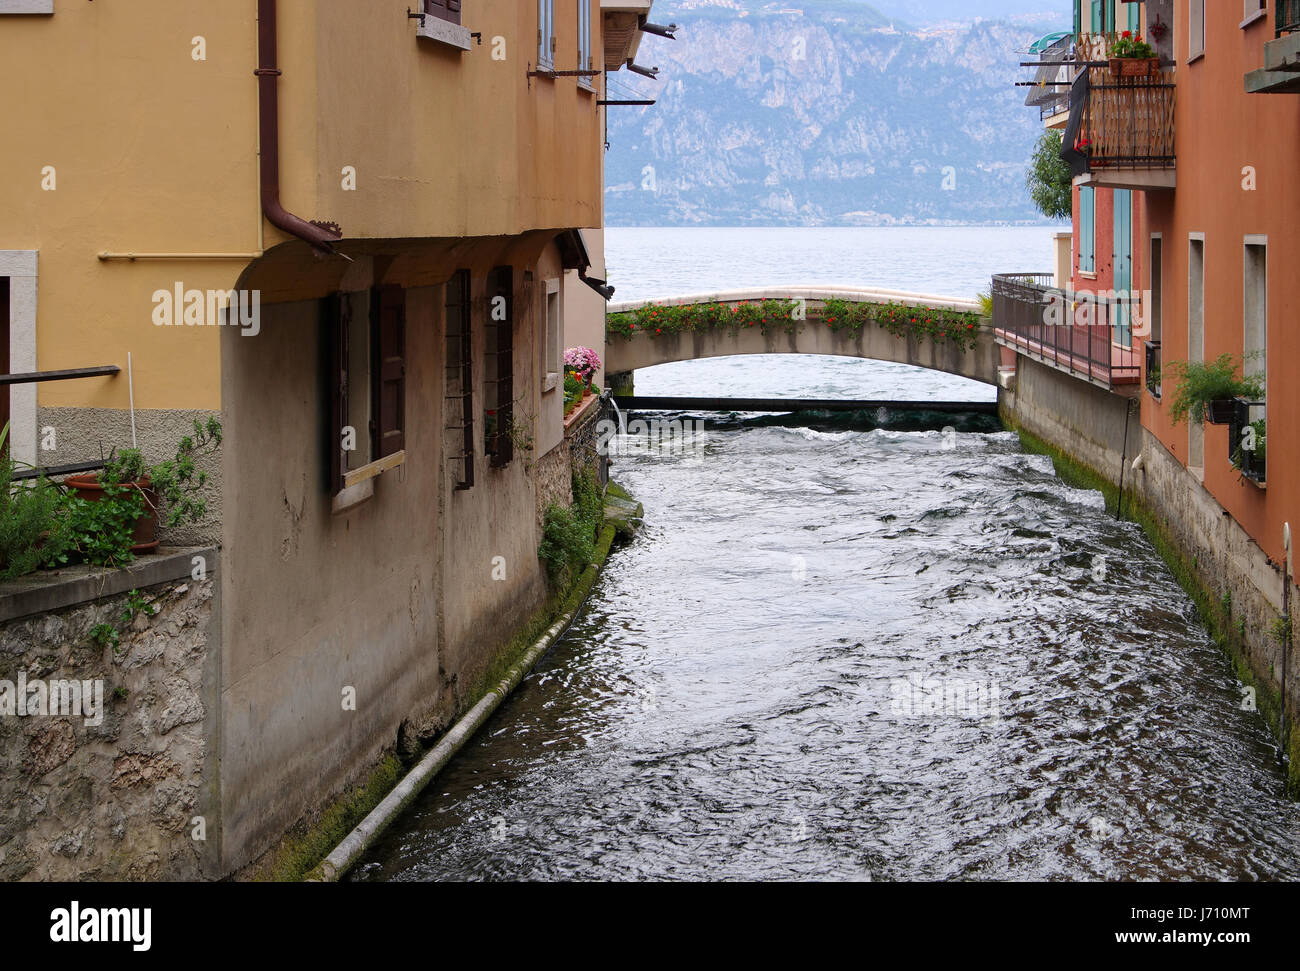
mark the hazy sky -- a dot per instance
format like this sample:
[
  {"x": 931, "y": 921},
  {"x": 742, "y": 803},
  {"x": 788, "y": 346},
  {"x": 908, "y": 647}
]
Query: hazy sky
[{"x": 922, "y": 11}]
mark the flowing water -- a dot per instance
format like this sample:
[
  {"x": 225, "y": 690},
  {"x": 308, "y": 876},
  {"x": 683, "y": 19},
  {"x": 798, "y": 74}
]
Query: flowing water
[{"x": 844, "y": 651}]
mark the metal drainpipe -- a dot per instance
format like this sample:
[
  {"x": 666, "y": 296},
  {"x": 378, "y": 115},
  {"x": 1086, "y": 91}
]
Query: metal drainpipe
[{"x": 321, "y": 235}]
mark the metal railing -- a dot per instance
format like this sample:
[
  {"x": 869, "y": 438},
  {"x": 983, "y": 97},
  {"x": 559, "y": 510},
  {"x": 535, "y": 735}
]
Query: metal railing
[
  {"x": 1288, "y": 16},
  {"x": 1128, "y": 122},
  {"x": 1153, "y": 372},
  {"x": 1072, "y": 332}
]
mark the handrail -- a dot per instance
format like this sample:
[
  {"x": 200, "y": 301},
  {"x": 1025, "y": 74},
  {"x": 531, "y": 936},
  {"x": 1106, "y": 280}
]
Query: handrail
[{"x": 71, "y": 374}]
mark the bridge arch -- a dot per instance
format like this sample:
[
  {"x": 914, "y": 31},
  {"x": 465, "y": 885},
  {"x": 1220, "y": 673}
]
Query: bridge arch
[{"x": 733, "y": 323}]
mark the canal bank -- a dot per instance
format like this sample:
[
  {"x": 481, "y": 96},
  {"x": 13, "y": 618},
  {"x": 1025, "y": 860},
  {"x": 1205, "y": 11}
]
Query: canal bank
[{"x": 1096, "y": 440}]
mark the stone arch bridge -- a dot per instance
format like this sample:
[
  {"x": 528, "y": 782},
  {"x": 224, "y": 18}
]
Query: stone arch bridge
[{"x": 978, "y": 360}]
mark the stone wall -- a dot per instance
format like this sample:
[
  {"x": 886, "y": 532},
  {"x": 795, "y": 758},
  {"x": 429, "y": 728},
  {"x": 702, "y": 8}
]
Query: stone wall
[{"x": 122, "y": 790}]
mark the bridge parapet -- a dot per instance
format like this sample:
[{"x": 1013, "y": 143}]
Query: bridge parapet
[{"x": 813, "y": 295}]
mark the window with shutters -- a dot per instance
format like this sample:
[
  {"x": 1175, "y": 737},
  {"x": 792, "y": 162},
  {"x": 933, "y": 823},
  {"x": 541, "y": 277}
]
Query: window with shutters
[
  {"x": 498, "y": 367},
  {"x": 365, "y": 335},
  {"x": 545, "y": 35},
  {"x": 585, "y": 60},
  {"x": 459, "y": 404},
  {"x": 448, "y": 10}
]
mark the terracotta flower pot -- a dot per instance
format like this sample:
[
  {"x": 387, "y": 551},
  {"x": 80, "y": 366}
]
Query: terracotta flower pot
[
  {"x": 1134, "y": 67},
  {"x": 146, "y": 527}
]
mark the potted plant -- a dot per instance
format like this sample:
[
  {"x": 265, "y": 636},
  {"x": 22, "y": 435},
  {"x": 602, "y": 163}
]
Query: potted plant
[
  {"x": 584, "y": 363},
  {"x": 1132, "y": 57},
  {"x": 135, "y": 494},
  {"x": 1252, "y": 461},
  {"x": 1208, "y": 391}
]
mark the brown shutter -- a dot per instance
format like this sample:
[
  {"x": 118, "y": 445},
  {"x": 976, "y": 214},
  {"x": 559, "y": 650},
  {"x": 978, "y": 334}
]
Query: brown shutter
[
  {"x": 388, "y": 382},
  {"x": 334, "y": 312},
  {"x": 503, "y": 285},
  {"x": 448, "y": 10}
]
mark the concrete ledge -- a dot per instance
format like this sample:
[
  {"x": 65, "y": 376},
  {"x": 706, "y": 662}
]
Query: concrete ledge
[
  {"x": 57, "y": 589},
  {"x": 444, "y": 32}
]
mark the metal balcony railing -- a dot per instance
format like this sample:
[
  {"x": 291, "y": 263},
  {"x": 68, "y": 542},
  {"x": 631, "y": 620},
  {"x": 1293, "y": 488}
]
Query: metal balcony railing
[
  {"x": 1082, "y": 334},
  {"x": 1288, "y": 16}
]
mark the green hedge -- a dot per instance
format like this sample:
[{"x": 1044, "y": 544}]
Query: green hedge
[{"x": 781, "y": 316}]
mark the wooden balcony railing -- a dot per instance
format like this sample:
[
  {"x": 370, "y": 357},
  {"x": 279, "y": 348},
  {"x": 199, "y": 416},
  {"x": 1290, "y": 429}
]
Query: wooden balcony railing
[{"x": 1128, "y": 122}]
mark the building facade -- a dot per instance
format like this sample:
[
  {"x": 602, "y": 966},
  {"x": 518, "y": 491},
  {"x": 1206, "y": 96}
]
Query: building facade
[{"x": 361, "y": 236}]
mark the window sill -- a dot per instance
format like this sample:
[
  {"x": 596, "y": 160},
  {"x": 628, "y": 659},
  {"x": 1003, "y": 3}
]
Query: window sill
[
  {"x": 585, "y": 86},
  {"x": 1087, "y": 275},
  {"x": 349, "y": 499},
  {"x": 1196, "y": 57},
  {"x": 1257, "y": 15},
  {"x": 440, "y": 31},
  {"x": 551, "y": 382},
  {"x": 26, "y": 7}
]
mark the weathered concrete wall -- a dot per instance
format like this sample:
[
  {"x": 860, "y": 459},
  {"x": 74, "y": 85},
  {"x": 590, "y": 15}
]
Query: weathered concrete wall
[
  {"x": 979, "y": 363},
  {"x": 1088, "y": 424},
  {"x": 89, "y": 434},
  {"x": 116, "y": 800},
  {"x": 316, "y": 604}
]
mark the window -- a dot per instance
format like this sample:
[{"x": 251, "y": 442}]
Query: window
[
  {"x": 366, "y": 335},
  {"x": 1157, "y": 289},
  {"x": 1087, "y": 229},
  {"x": 1195, "y": 29},
  {"x": 1252, "y": 10},
  {"x": 585, "y": 61},
  {"x": 554, "y": 358},
  {"x": 545, "y": 34},
  {"x": 448, "y": 10},
  {"x": 18, "y": 351},
  {"x": 1255, "y": 308},
  {"x": 499, "y": 379},
  {"x": 460, "y": 380},
  {"x": 1196, "y": 340}
]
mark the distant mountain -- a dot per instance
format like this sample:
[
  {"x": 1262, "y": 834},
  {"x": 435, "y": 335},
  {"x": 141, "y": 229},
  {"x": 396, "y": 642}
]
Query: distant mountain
[{"x": 825, "y": 113}]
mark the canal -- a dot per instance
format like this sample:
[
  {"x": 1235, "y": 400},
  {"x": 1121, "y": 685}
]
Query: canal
[{"x": 843, "y": 651}]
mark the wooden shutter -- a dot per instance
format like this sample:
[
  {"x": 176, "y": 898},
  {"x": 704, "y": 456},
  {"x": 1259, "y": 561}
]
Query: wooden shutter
[
  {"x": 388, "y": 371},
  {"x": 459, "y": 395},
  {"x": 502, "y": 285},
  {"x": 448, "y": 10},
  {"x": 334, "y": 313}
]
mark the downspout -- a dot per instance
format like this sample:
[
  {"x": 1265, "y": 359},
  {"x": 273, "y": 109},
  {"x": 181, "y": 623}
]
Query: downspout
[{"x": 320, "y": 235}]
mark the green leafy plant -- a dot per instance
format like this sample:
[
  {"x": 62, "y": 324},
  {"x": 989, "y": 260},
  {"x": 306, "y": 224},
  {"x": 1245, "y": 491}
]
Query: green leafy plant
[
  {"x": 1128, "y": 45},
  {"x": 137, "y": 605},
  {"x": 569, "y": 534},
  {"x": 103, "y": 531},
  {"x": 177, "y": 481},
  {"x": 986, "y": 304},
  {"x": 1048, "y": 178},
  {"x": 106, "y": 635},
  {"x": 1259, "y": 457},
  {"x": 1281, "y": 630},
  {"x": 1200, "y": 383},
  {"x": 35, "y": 525}
]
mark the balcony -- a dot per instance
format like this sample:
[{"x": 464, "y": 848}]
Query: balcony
[
  {"x": 1082, "y": 335},
  {"x": 1281, "y": 71},
  {"x": 1121, "y": 130},
  {"x": 1054, "y": 72}
]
